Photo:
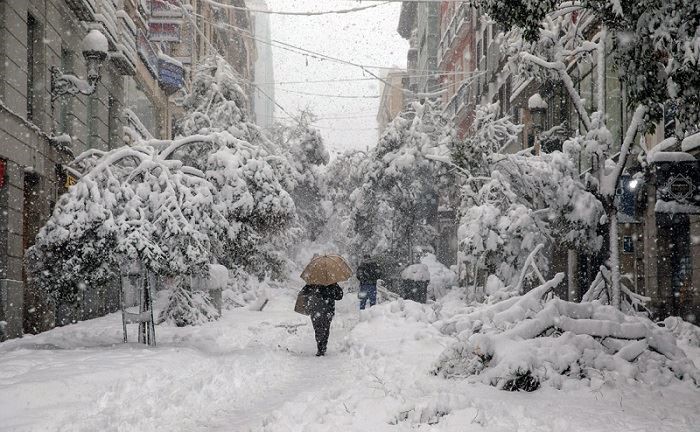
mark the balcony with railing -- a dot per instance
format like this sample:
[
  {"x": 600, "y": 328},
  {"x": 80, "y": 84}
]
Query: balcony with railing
[
  {"x": 452, "y": 31},
  {"x": 84, "y": 10},
  {"x": 164, "y": 30},
  {"x": 165, "y": 9},
  {"x": 459, "y": 100},
  {"x": 125, "y": 54},
  {"x": 106, "y": 16}
]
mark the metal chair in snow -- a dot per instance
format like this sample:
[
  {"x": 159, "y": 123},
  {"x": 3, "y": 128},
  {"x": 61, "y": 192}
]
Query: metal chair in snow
[{"x": 137, "y": 279}]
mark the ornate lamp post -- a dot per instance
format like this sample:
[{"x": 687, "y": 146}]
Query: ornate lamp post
[{"x": 95, "y": 48}]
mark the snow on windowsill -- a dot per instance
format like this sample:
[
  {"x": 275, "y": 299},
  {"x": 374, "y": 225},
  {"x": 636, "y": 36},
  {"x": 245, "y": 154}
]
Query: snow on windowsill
[
  {"x": 675, "y": 207},
  {"x": 167, "y": 58},
  {"x": 691, "y": 143},
  {"x": 662, "y": 156}
]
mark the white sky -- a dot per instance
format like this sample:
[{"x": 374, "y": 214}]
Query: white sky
[{"x": 365, "y": 37}]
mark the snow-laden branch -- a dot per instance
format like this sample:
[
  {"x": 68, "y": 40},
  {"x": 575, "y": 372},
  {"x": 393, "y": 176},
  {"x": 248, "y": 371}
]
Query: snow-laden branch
[
  {"x": 586, "y": 47},
  {"x": 560, "y": 68},
  {"x": 609, "y": 183},
  {"x": 526, "y": 341}
]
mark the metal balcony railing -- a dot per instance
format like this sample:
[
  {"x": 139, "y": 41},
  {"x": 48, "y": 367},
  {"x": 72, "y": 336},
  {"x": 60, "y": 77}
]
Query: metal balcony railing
[
  {"x": 165, "y": 9},
  {"x": 84, "y": 10},
  {"x": 452, "y": 30},
  {"x": 125, "y": 54}
]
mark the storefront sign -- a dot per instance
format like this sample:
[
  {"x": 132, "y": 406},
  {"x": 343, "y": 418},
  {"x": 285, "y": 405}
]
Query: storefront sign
[
  {"x": 171, "y": 75},
  {"x": 148, "y": 53},
  {"x": 70, "y": 181},
  {"x": 678, "y": 186},
  {"x": 164, "y": 31}
]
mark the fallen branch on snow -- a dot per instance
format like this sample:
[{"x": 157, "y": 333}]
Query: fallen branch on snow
[{"x": 523, "y": 341}]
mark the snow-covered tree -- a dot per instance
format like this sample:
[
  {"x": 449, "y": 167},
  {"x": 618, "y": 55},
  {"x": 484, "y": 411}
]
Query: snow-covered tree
[
  {"x": 212, "y": 194},
  {"x": 510, "y": 344},
  {"x": 341, "y": 177},
  {"x": 131, "y": 206},
  {"x": 395, "y": 208},
  {"x": 306, "y": 155},
  {"x": 654, "y": 46},
  {"x": 246, "y": 169},
  {"x": 654, "y": 43},
  {"x": 513, "y": 202}
]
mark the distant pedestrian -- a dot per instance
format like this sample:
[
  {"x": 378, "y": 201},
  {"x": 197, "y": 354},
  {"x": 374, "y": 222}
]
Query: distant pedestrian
[
  {"x": 368, "y": 273},
  {"x": 320, "y": 306}
]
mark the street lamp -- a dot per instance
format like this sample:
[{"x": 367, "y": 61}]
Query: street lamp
[
  {"x": 95, "y": 48},
  {"x": 538, "y": 110}
]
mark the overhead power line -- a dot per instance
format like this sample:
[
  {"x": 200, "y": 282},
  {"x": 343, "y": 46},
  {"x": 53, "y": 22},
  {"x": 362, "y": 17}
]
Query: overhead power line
[
  {"x": 310, "y": 53},
  {"x": 304, "y": 13},
  {"x": 332, "y": 95},
  {"x": 364, "y": 68}
]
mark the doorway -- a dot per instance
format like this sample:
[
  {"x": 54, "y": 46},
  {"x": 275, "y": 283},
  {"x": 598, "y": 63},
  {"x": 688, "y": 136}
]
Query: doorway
[
  {"x": 38, "y": 312},
  {"x": 674, "y": 272}
]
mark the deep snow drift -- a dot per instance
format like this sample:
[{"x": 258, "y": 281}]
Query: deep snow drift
[{"x": 255, "y": 371}]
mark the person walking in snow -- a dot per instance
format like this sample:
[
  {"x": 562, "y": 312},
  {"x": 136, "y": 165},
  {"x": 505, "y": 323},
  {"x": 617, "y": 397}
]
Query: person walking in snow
[
  {"x": 368, "y": 274},
  {"x": 320, "y": 305}
]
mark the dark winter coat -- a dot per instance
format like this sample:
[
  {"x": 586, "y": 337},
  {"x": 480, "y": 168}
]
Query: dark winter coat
[
  {"x": 368, "y": 272},
  {"x": 322, "y": 298}
]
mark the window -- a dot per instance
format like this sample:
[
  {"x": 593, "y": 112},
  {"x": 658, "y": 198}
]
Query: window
[
  {"x": 64, "y": 104},
  {"x": 627, "y": 244},
  {"x": 614, "y": 103},
  {"x": 93, "y": 137},
  {"x": 32, "y": 35},
  {"x": 112, "y": 113}
]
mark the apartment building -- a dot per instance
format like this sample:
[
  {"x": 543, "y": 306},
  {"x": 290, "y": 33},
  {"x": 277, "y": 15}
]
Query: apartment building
[{"x": 418, "y": 24}]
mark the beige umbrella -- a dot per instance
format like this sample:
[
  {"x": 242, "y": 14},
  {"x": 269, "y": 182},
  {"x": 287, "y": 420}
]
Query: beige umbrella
[{"x": 326, "y": 270}]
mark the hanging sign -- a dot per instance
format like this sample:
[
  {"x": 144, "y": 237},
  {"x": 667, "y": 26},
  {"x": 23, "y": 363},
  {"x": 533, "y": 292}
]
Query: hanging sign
[{"x": 677, "y": 185}]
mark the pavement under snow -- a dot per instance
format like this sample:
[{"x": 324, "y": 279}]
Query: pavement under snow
[{"x": 256, "y": 371}]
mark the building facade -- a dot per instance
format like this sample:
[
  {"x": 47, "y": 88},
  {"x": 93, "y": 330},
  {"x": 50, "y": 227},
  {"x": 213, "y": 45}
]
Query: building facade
[
  {"x": 264, "y": 91},
  {"x": 419, "y": 24},
  {"x": 391, "y": 101},
  {"x": 34, "y": 36}
]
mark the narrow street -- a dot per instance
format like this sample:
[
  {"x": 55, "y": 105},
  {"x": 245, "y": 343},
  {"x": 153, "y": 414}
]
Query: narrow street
[
  {"x": 256, "y": 371},
  {"x": 224, "y": 376}
]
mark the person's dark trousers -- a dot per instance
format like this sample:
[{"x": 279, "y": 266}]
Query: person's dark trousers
[
  {"x": 322, "y": 328},
  {"x": 368, "y": 292}
]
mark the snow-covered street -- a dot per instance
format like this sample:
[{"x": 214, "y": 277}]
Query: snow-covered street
[{"x": 257, "y": 371}]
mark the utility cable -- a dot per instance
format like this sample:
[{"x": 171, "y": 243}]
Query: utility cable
[{"x": 308, "y": 13}]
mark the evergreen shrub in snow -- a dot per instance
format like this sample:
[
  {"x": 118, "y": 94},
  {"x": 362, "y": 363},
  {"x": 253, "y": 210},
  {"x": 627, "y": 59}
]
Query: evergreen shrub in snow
[{"x": 188, "y": 307}]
